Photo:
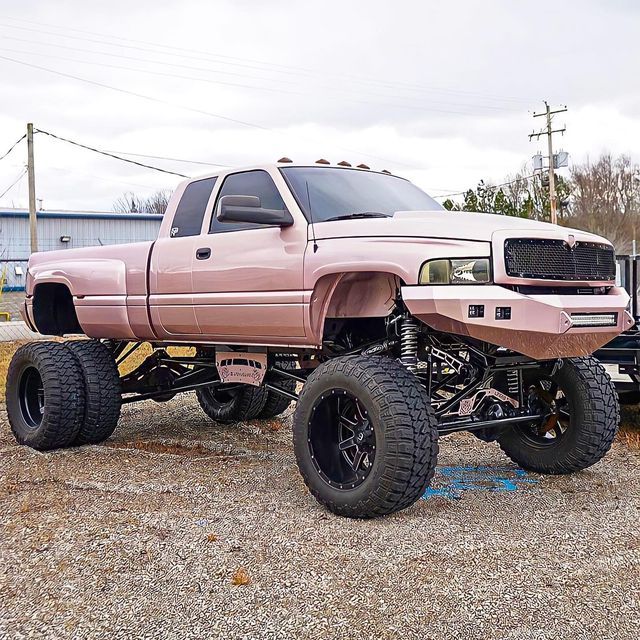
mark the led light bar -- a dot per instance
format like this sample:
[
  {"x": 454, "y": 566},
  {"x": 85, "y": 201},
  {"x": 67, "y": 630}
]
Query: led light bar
[{"x": 594, "y": 319}]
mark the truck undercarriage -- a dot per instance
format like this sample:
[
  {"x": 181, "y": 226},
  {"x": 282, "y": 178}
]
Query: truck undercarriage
[{"x": 473, "y": 386}]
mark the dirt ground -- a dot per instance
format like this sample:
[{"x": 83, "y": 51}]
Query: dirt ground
[{"x": 181, "y": 528}]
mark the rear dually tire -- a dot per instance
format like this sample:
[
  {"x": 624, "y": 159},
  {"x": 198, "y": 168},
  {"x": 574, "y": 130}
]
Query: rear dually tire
[
  {"x": 45, "y": 395},
  {"x": 102, "y": 390}
]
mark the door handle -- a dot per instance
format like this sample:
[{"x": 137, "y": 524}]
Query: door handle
[{"x": 203, "y": 254}]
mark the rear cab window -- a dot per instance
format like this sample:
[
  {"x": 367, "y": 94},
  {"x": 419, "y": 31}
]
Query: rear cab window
[
  {"x": 247, "y": 183},
  {"x": 190, "y": 211}
]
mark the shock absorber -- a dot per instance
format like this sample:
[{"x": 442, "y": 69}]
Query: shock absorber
[{"x": 409, "y": 344}]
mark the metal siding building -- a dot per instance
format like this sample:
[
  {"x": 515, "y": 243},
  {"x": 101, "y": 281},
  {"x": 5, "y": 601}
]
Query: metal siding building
[{"x": 79, "y": 229}]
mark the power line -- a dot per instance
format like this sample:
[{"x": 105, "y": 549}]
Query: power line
[
  {"x": 151, "y": 72},
  {"x": 133, "y": 93},
  {"x": 140, "y": 59},
  {"x": 13, "y": 184},
  {"x": 495, "y": 186},
  {"x": 421, "y": 107},
  {"x": 110, "y": 155},
  {"x": 13, "y": 146},
  {"x": 97, "y": 177},
  {"x": 144, "y": 155},
  {"x": 276, "y": 68},
  {"x": 186, "y": 108}
]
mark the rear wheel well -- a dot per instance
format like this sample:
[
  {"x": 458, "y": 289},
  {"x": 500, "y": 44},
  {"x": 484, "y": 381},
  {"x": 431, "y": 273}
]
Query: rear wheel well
[{"x": 53, "y": 311}]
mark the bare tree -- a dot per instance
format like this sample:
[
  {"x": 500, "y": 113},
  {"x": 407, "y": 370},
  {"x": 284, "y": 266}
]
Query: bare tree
[
  {"x": 606, "y": 199},
  {"x": 132, "y": 203}
]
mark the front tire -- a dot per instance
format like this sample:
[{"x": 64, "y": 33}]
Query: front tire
[
  {"x": 583, "y": 415},
  {"x": 365, "y": 436},
  {"x": 45, "y": 396}
]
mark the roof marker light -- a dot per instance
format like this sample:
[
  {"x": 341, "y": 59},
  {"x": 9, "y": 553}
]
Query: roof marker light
[
  {"x": 285, "y": 159},
  {"x": 344, "y": 163},
  {"x": 385, "y": 171},
  {"x": 322, "y": 161},
  {"x": 363, "y": 166}
]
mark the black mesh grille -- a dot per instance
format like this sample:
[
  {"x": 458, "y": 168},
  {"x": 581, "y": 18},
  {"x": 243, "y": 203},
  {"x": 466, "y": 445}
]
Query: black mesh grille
[{"x": 554, "y": 260}]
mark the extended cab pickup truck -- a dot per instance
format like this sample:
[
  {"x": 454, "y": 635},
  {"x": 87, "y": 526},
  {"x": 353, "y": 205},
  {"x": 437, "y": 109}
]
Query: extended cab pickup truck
[{"x": 400, "y": 321}]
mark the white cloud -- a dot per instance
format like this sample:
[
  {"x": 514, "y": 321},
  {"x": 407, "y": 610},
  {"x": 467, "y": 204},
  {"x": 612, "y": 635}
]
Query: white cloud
[{"x": 439, "y": 92}]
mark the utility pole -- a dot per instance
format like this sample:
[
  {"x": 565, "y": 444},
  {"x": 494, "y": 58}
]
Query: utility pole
[
  {"x": 33, "y": 221},
  {"x": 549, "y": 131}
]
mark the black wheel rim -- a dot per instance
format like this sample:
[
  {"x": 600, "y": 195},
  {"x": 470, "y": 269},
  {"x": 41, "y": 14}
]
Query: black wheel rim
[
  {"x": 341, "y": 439},
  {"x": 31, "y": 397},
  {"x": 548, "y": 399}
]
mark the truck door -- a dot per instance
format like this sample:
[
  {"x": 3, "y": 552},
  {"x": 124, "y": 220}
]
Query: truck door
[
  {"x": 170, "y": 276},
  {"x": 249, "y": 286}
]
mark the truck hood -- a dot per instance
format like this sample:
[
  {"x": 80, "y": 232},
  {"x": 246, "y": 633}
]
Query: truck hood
[{"x": 458, "y": 225}]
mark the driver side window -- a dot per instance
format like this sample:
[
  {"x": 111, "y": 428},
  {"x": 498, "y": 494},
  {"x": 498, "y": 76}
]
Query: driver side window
[{"x": 248, "y": 183}]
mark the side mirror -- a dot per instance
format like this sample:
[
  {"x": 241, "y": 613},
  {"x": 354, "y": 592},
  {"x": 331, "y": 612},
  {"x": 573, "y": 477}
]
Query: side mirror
[{"x": 249, "y": 209}]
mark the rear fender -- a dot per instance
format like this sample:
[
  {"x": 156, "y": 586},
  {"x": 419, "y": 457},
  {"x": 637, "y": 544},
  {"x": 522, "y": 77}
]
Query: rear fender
[
  {"x": 83, "y": 277},
  {"x": 98, "y": 295}
]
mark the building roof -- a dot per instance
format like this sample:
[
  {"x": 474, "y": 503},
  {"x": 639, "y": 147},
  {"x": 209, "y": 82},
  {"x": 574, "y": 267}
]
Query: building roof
[{"x": 91, "y": 215}]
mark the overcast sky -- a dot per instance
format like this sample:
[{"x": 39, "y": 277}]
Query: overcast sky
[{"x": 440, "y": 92}]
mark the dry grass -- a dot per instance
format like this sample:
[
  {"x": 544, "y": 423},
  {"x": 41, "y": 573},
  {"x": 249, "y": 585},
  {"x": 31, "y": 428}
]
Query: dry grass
[
  {"x": 630, "y": 437},
  {"x": 241, "y": 577},
  {"x": 153, "y": 446},
  {"x": 138, "y": 357},
  {"x": 272, "y": 425},
  {"x": 7, "y": 349},
  {"x": 629, "y": 433}
]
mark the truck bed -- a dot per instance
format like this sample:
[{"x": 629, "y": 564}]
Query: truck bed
[{"x": 117, "y": 272}]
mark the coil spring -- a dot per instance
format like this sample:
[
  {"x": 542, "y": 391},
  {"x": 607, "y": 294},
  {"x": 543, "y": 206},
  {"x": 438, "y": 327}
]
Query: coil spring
[{"x": 409, "y": 344}]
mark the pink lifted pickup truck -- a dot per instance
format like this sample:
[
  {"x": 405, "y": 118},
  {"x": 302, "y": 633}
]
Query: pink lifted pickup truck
[{"x": 400, "y": 321}]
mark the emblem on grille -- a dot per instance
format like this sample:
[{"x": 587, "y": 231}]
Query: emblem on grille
[{"x": 571, "y": 242}]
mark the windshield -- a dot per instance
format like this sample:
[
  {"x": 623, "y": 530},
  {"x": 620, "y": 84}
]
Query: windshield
[{"x": 330, "y": 193}]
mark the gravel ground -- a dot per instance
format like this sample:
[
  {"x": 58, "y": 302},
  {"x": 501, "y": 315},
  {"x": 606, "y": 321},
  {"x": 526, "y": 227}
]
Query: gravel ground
[{"x": 148, "y": 535}]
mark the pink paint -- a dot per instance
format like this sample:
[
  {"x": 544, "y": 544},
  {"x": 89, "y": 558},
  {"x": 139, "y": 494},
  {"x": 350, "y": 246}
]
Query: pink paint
[{"x": 268, "y": 286}]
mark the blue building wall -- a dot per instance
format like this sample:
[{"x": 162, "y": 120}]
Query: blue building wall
[{"x": 83, "y": 229}]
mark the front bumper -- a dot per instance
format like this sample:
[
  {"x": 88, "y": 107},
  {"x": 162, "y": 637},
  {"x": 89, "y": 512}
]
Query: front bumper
[{"x": 538, "y": 326}]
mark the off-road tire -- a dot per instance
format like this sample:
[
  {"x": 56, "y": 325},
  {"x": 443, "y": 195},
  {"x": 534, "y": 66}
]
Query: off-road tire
[
  {"x": 277, "y": 404},
  {"x": 405, "y": 428},
  {"x": 593, "y": 405},
  {"x": 102, "y": 390},
  {"x": 64, "y": 395},
  {"x": 245, "y": 405}
]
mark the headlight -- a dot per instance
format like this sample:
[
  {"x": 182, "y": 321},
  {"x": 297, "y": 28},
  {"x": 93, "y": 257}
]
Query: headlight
[{"x": 458, "y": 271}]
